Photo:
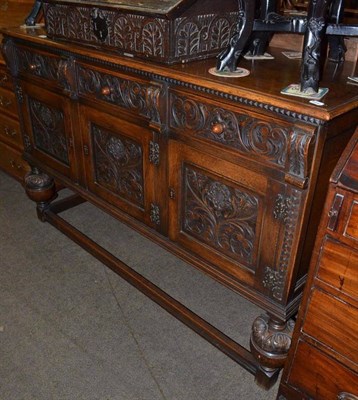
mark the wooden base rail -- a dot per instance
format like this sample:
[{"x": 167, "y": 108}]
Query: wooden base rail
[{"x": 225, "y": 344}]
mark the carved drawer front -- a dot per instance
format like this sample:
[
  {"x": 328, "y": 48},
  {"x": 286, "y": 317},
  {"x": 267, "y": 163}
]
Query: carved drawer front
[
  {"x": 334, "y": 323},
  {"x": 8, "y": 102},
  {"x": 38, "y": 64},
  {"x": 5, "y": 79},
  {"x": 10, "y": 131},
  {"x": 224, "y": 214},
  {"x": 132, "y": 94},
  {"x": 12, "y": 162},
  {"x": 48, "y": 129},
  {"x": 117, "y": 160},
  {"x": 321, "y": 377},
  {"x": 278, "y": 144},
  {"x": 339, "y": 267}
]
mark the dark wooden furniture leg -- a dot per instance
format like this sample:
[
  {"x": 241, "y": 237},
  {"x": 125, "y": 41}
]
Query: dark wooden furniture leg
[
  {"x": 228, "y": 59},
  {"x": 312, "y": 47},
  {"x": 270, "y": 342},
  {"x": 41, "y": 189},
  {"x": 32, "y": 17},
  {"x": 260, "y": 40}
]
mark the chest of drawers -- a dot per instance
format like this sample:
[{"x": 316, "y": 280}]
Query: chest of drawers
[
  {"x": 323, "y": 361},
  {"x": 227, "y": 174}
]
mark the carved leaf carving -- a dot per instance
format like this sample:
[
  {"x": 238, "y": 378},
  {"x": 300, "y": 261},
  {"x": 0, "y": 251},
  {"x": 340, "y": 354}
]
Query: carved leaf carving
[
  {"x": 152, "y": 40},
  {"x": 222, "y": 216}
]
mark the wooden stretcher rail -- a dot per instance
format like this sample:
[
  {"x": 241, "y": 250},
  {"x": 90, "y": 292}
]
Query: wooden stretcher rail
[{"x": 217, "y": 338}]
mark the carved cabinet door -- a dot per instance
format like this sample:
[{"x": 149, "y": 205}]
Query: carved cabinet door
[
  {"x": 117, "y": 161},
  {"x": 48, "y": 129},
  {"x": 224, "y": 213}
]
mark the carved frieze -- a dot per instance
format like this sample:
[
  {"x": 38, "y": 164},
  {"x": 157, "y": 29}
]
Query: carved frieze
[
  {"x": 222, "y": 216},
  {"x": 130, "y": 94},
  {"x": 162, "y": 39},
  {"x": 48, "y": 129},
  {"x": 118, "y": 164},
  {"x": 285, "y": 146}
]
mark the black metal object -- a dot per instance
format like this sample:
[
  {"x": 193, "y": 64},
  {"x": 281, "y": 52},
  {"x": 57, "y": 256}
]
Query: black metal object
[
  {"x": 34, "y": 14},
  {"x": 252, "y": 35}
]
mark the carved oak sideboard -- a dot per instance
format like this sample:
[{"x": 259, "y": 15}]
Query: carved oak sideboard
[{"x": 229, "y": 175}]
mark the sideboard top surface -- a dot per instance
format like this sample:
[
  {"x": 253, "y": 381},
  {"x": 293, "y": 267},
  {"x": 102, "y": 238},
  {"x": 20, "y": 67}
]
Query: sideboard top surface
[{"x": 261, "y": 88}]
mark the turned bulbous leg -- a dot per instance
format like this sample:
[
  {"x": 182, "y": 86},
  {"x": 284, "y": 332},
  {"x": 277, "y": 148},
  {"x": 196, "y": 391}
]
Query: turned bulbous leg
[
  {"x": 270, "y": 341},
  {"x": 40, "y": 188}
]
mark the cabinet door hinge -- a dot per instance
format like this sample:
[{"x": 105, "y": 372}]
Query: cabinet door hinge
[
  {"x": 70, "y": 142},
  {"x": 155, "y": 213},
  {"x": 154, "y": 153},
  {"x": 85, "y": 150}
]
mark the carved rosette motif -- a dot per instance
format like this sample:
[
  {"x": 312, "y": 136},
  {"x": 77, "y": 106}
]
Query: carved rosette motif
[
  {"x": 126, "y": 93},
  {"x": 280, "y": 145},
  {"x": 219, "y": 215},
  {"x": 48, "y": 130},
  {"x": 118, "y": 164},
  {"x": 286, "y": 209}
]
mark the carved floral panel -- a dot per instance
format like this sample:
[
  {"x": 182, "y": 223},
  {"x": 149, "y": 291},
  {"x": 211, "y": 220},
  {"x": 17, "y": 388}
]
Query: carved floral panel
[
  {"x": 48, "y": 129},
  {"x": 222, "y": 216},
  {"x": 118, "y": 165}
]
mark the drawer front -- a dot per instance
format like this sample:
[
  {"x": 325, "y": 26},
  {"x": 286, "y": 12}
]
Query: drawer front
[
  {"x": 8, "y": 102},
  {"x": 351, "y": 230},
  {"x": 5, "y": 79},
  {"x": 275, "y": 143},
  {"x": 12, "y": 162},
  {"x": 334, "y": 323},
  {"x": 38, "y": 64},
  {"x": 320, "y": 376},
  {"x": 339, "y": 266},
  {"x": 10, "y": 131},
  {"x": 131, "y": 94}
]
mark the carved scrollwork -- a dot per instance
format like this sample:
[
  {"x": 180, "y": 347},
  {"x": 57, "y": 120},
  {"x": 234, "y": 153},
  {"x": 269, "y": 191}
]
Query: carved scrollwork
[
  {"x": 155, "y": 214},
  {"x": 118, "y": 164},
  {"x": 123, "y": 92},
  {"x": 219, "y": 215}
]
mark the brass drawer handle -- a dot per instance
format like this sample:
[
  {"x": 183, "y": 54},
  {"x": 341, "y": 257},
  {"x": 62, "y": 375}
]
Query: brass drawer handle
[
  {"x": 15, "y": 165},
  {"x": 4, "y": 102},
  {"x": 217, "y": 128},
  {"x": 106, "y": 90},
  {"x": 346, "y": 396},
  {"x": 4, "y": 78},
  {"x": 9, "y": 132}
]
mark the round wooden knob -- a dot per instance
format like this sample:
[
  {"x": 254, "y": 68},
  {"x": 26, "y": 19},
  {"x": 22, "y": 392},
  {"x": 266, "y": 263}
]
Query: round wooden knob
[
  {"x": 106, "y": 90},
  {"x": 217, "y": 129}
]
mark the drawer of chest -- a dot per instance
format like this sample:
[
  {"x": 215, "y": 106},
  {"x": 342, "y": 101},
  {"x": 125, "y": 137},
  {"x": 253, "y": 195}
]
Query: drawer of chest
[
  {"x": 40, "y": 65},
  {"x": 8, "y": 102},
  {"x": 10, "y": 131},
  {"x": 334, "y": 323},
  {"x": 276, "y": 143},
  {"x": 12, "y": 162},
  {"x": 339, "y": 267},
  {"x": 134, "y": 95},
  {"x": 5, "y": 79},
  {"x": 321, "y": 377}
]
